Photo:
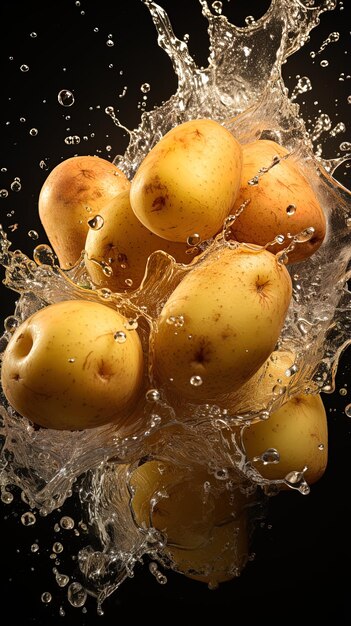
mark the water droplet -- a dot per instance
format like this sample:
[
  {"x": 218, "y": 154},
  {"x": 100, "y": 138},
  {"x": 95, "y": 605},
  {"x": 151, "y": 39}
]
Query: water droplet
[
  {"x": 145, "y": 87},
  {"x": 152, "y": 395},
  {"x": 321, "y": 446},
  {"x": 343, "y": 391},
  {"x": 304, "y": 235},
  {"x": 3, "y": 193},
  {"x": 120, "y": 336},
  {"x": 33, "y": 234},
  {"x": 33, "y": 132},
  {"x": 250, "y": 20},
  {"x": 217, "y": 6},
  {"x": 33, "y": 35},
  {"x": 96, "y": 222},
  {"x": 161, "y": 578},
  {"x": 348, "y": 410},
  {"x": 76, "y": 594},
  {"x": 57, "y": 547},
  {"x": 65, "y": 98},
  {"x": 324, "y": 63},
  {"x": 43, "y": 255},
  {"x": 46, "y": 597},
  {"x": 196, "y": 381},
  {"x": 271, "y": 455},
  {"x": 110, "y": 43},
  {"x": 34, "y": 547},
  {"x": 176, "y": 320},
  {"x": 61, "y": 579},
  {"x": 71, "y": 140},
  {"x": 6, "y": 496},
  {"x": 16, "y": 185},
  {"x": 291, "y": 209},
  {"x": 66, "y": 522},
  {"x": 24, "y": 68},
  {"x": 11, "y": 323},
  {"x": 131, "y": 324},
  {"x": 193, "y": 240},
  {"x": 28, "y": 518}
]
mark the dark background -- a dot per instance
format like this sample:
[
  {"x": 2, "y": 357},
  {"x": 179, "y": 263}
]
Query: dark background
[{"x": 304, "y": 547}]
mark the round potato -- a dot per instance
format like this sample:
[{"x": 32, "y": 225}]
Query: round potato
[
  {"x": 72, "y": 194},
  {"x": 73, "y": 365},
  {"x": 117, "y": 251},
  {"x": 188, "y": 183},
  {"x": 280, "y": 202}
]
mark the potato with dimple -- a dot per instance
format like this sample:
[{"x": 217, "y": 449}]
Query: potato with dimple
[
  {"x": 298, "y": 430},
  {"x": 73, "y": 193},
  {"x": 188, "y": 182},
  {"x": 73, "y": 365},
  {"x": 281, "y": 202},
  {"x": 116, "y": 252},
  {"x": 204, "y": 523},
  {"x": 221, "y": 323}
]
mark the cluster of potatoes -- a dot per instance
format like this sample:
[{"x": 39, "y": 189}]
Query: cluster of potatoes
[{"x": 79, "y": 363}]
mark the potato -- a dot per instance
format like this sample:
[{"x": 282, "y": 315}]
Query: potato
[
  {"x": 281, "y": 202},
  {"x": 122, "y": 245},
  {"x": 73, "y": 193},
  {"x": 188, "y": 182},
  {"x": 221, "y": 323},
  {"x": 66, "y": 368},
  {"x": 205, "y": 524},
  {"x": 299, "y": 431}
]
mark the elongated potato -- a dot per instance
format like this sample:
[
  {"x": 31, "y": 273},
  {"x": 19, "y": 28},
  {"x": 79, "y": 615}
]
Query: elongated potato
[
  {"x": 117, "y": 250},
  {"x": 188, "y": 183},
  {"x": 72, "y": 194},
  {"x": 221, "y": 323},
  {"x": 281, "y": 201}
]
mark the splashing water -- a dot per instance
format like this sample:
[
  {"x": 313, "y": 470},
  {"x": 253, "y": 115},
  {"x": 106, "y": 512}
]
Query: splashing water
[{"x": 243, "y": 89}]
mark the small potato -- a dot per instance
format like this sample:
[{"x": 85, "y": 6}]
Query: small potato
[
  {"x": 188, "y": 182},
  {"x": 221, "y": 323},
  {"x": 65, "y": 367},
  {"x": 205, "y": 524},
  {"x": 73, "y": 193},
  {"x": 122, "y": 245},
  {"x": 281, "y": 202},
  {"x": 298, "y": 430}
]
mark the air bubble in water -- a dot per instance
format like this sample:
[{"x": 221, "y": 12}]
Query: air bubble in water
[{"x": 65, "y": 98}]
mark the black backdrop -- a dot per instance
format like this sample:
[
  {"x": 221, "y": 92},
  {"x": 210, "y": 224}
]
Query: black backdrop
[{"x": 303, "y": 548}]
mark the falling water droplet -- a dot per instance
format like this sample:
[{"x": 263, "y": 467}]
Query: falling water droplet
[{"x": 65, "y": 98}]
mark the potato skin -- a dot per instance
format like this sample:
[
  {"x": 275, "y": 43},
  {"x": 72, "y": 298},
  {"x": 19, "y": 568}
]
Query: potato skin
[
  {"x": 233, "y": 306},
  {"x": 124, "y": 245},
  {"x": 63, "y": 368},
  {"x": 188, "y": 182},
  {"x": 207, "y": 534},
  {"x": 267, "y": 214},
  {"x": 73, "y": 193},
  {"x": 299, "y": 431}
]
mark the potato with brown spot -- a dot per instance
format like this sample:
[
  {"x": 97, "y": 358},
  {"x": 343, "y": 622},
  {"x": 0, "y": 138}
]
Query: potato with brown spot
[
  {"x": 188, "y": 182},
  {"x": 281, "y": 202},
  {"x": 64, "y": 369},
  {"x": 123, "y": 245},
  {"x": 211, "y": 354},
  {"x": 204, "y": 523},
  {"x": 73, "y": 193}
]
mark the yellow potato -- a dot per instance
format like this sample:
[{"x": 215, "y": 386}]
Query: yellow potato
[
  {"x": 73, "y": 193},
  {"x": 118, "y": 250},
  {"x": 205, "y": 524},
  {"x": 188, "y": 182},
  {"x": 299, "y": 431},
  {"x": 282, "y": 202},
  {"x": 221, "y": 323},
  {"x": 66, "y": 368}
]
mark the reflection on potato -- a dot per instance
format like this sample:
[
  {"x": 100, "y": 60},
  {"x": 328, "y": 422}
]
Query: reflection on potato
[
  {"x": 66, "y": 368},
  {"x": 281, "y": 202},
  {"x": 73, "y": 193},
  {"x": 117, "y": 251},
  {"x": 188, "y": 182},
  {"x": 299, "y": 431},
  {"x": 205, "y": 524},
  {"x": 221, "y": 323}
]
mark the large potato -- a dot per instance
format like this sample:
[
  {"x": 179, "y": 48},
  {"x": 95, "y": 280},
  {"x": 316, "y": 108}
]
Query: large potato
[
  {"x": 298, "y": 430},
  {"x": 72, "y": 194},
  {"x": 205, "y": 524},
  {"x": 117, "y": 252},
  {"x": 66, "y": 368},
  {"x": 188, "y": 182},
  {"x": 281, "y": 202},
  {"x": 221, "y": 323}
]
